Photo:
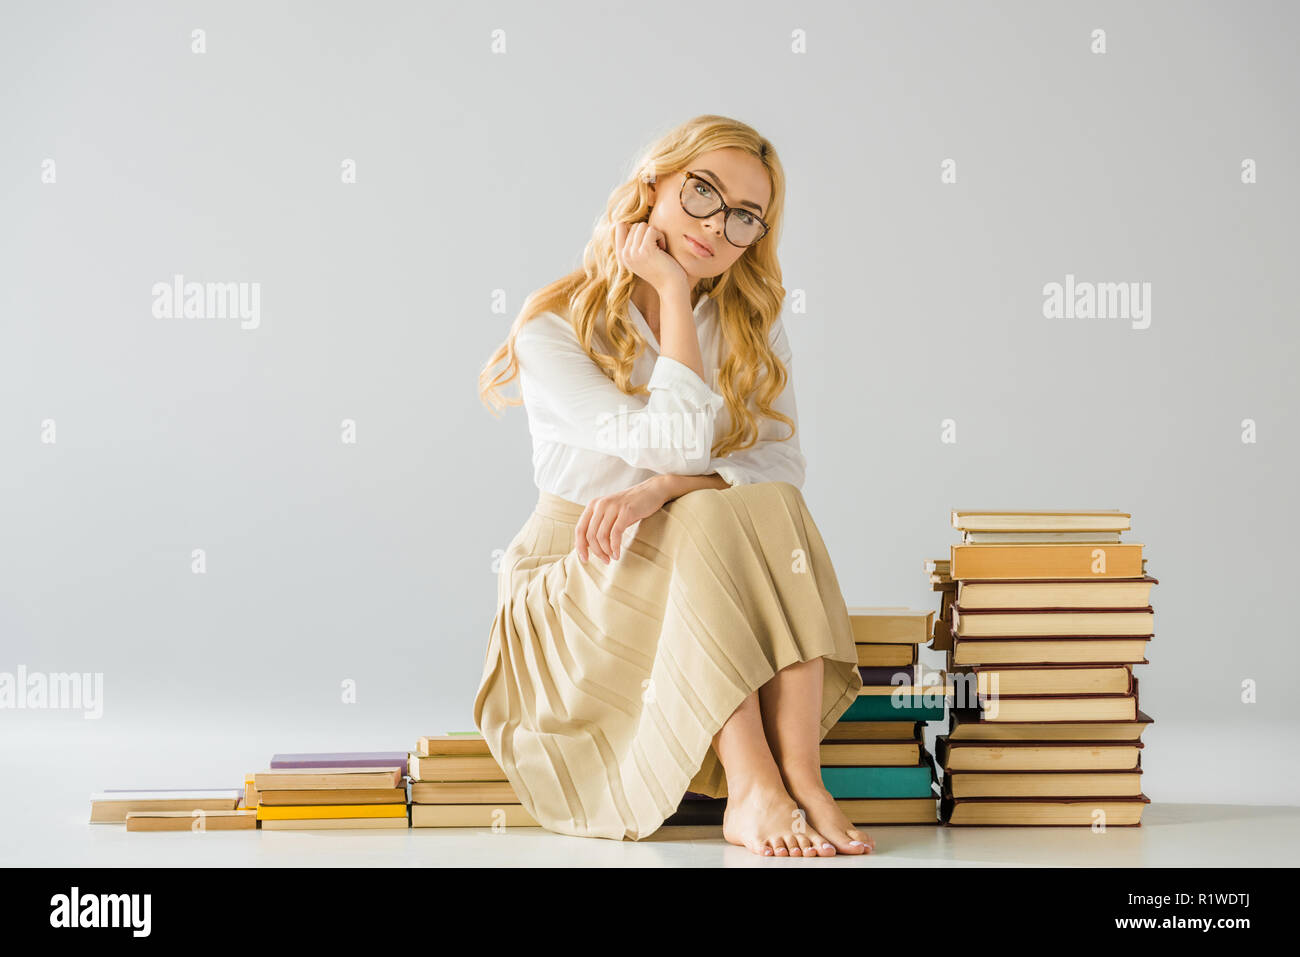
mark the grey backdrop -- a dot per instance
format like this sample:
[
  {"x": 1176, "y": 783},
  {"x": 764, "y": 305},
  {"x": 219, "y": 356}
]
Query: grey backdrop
[{"x": 480, "y": 171}]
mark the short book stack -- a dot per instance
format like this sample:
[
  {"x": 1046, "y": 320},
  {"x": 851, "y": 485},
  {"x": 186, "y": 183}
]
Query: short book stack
[
  {"x": 171, "y": 809},
  {"x": 874, "y": 760},
  {"x": 455, "y": 782},
  {"x": 1043, "y": 615},
  {"x": 323, "y": 798}
]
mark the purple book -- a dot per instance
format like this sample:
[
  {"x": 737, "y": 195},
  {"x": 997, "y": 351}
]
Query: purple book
[
  {"x": 885, "y": 676},
  {"x": 343, "y": 759}
]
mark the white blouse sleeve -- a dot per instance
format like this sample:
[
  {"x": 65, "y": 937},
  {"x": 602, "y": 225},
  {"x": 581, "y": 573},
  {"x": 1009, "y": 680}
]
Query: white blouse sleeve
[
  {"x": 772, "y": 458},
  {"x": 570, "y": 400}
]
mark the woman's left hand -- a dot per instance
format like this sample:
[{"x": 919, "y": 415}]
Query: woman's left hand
[{"x": 605, "y": 519}]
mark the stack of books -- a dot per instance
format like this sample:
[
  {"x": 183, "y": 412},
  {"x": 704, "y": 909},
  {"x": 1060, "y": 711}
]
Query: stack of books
[
  {"x": 455, "y": 782},
  {"x": 330, "y": 791},
  {"x": 171, "y": 809},
  {"x": 1045, "y": 614},
  {"x": 874, "y": 760}
]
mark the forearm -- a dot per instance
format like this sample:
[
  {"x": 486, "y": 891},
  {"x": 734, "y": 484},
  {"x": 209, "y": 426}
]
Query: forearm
[
  {"x": 678, "y": 338},
  {"x": 675, "y": 486}
]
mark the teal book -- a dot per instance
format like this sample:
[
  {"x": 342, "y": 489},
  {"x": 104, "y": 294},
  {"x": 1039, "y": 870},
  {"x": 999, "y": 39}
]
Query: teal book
[
  {"x": 907, "y": 782},
  {"x": 881, "y": 707}
]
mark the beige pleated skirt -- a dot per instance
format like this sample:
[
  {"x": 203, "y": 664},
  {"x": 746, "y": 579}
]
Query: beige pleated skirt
[{"x": 604, "y": 685}]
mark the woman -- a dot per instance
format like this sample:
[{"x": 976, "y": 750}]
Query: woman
[{"x": 668, "y": 617}]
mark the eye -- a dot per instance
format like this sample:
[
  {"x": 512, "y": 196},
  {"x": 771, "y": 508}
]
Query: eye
[
  {"x": 703, "y": 188},
  {"x": 746, "y": 218}
]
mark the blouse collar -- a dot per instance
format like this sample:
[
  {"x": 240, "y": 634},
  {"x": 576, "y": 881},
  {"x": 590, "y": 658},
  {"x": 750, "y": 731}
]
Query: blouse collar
[{"x": 701, "y": 311}]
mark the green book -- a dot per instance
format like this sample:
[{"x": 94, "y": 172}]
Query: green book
[
  {"x": 909, "y": 782},
  {"x": 881, "y": 707}
]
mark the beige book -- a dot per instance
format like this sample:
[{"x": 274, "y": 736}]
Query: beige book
[
  {"x": 964, "y": 725},
  {"x": 1084, "y": 812},
  {"x": 237, "y": 820},
  {"x": 886, "y": 656},
  {"x": 1007, "y": 562},
  {"x": 1043, "y": 783},
  {"x": 1037, "y": 538},
  {"x": 1012, "y": 651},
  {"x": 1057, "y": 593},
  {"x": 871, "y": 730},
  {"x": 287, "y": 779},
  {"x": 890, "y": 625},
  {"x": 873, "y": 754},
  {"x": 455, "y": 768},
  {"x": 470, "y": 815},
  {"x": 112, "y": 807},
  {"x": 1102, "y": 679},
  {"x": 890, "y": 810},
  {"x": 1065, "y": 756},
  {"x": 448, "y": 743},
  {"x": 1024, "y": 622},
  {"x": 1042, "y": 708},
  {"x": 336, "y": 823},
  {"x": 1041, "y": 520},
  {"x": 463, "y": 792}
]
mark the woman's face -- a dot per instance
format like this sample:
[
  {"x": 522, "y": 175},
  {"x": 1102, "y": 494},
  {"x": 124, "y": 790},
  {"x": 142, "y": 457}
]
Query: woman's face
[{"x": 740, "y": 179}]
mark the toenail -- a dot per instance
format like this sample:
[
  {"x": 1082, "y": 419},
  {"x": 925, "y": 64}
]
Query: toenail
[{"x": 855, "y": 844}]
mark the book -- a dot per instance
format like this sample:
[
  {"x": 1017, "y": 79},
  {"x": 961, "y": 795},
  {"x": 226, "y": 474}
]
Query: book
[
  {"x": 266, "y": 812},
  {"x": 897, "y": 703},
  {"x": 848, "y": 753},
  {"x": 1033, "y": 811},
  {"x": 873, "y": 731},
  {"x": 1048, "y": 651},
  {"x": 1066, "y": 679},
  {"x": 886, "y": 676},
  {"x": 237, "y": 820},
  {"x": 463, "y": 792},
  {"x": 455, "y": 768},
  {"x": 892, "y": 625},
  {"x": 289, "y": 797},
  {"x": 453, "y": 743},
  {"x": 1055, "y": 593},
  {"x": 341, "y": 759},
  {"x": 327, "y": 778},
  {"x": 111, "y": 807},
  {"x": 1036, "y": 755},
  {"x": 1043, "y": 783},
  {"x": 1086, "y": 562},
  {"x": 1036, "y": 538},
  {"x": 874, "y": 811},
  {"x": 334, "y": 824},
  {"x": 886, "y": 656},
  {"x": 1041, "y": 520},
  {"x": 915, "y": 781},
  {"x": 1045, "y": 708},
  {"x": 964, "y": 724},
  {"x": 471, "y": 815},
  {"x": 1054, "y": 622}
]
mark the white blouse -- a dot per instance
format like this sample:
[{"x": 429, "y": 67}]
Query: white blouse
[{"x": 592, "y": 439}]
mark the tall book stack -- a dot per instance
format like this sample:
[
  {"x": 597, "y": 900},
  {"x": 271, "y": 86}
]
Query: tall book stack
[
  {"x": 1043, "y": 614},
  {"x": 455, "y": 782},
  {"x": 874, "y": 760},
  {"x": 330, "y": 790}
]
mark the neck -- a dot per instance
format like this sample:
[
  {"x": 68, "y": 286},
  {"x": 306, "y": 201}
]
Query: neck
[{"x": 646, "y": 299}]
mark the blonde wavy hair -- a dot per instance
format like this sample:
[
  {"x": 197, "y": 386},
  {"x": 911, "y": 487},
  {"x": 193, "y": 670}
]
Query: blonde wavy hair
[{"x": 749, "y": 294}]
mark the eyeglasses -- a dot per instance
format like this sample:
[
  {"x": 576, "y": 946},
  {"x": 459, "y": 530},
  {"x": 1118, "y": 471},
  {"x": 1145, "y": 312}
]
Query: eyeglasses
[{"x": 740, "y": 226}]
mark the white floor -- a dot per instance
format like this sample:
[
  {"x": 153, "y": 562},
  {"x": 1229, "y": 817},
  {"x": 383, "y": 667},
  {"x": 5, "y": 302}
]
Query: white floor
[{"x": 50, "y": 772}]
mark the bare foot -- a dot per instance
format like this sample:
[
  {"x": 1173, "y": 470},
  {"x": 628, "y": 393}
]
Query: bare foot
[
  {"x": 825, "y": 815},
  {"x": 766, "y": 820}
]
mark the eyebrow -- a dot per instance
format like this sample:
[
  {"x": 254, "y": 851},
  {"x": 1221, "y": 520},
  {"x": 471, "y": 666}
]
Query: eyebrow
[{"x": 743, "y": 202}]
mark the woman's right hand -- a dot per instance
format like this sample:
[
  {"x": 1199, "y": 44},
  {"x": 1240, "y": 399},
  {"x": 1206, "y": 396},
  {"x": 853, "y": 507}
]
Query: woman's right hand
[{"x": 642, "y": 249}]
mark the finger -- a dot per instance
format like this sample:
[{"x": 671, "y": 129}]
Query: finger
[
  {"x": 593, "y": 537},
  {"x": 616, "y": 534},
  {"x": 580, "y": 532},
  {"x": 602, "y": 533}
]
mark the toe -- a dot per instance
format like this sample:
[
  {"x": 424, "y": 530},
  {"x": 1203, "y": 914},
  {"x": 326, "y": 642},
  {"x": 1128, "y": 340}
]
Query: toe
[{"x": 863, "y": 838}]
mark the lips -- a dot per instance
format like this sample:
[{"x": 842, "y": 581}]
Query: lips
[{"x": 700, "y": 248}]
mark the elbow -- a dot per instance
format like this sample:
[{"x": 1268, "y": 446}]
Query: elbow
[{"x": 672, "y": 443}]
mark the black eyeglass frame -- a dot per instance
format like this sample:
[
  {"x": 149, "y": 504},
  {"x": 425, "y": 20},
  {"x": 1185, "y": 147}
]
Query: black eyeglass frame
[{"x": 721, "y": 206}]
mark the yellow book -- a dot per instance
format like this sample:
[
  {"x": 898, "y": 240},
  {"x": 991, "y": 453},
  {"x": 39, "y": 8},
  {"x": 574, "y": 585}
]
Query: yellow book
[
  {"x": 1046, "y": 561},
  {"x": 301, "y": 812}
]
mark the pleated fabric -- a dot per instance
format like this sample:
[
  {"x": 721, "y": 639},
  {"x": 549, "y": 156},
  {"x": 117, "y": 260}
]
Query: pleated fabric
[{"x": 604, "y": 685}]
